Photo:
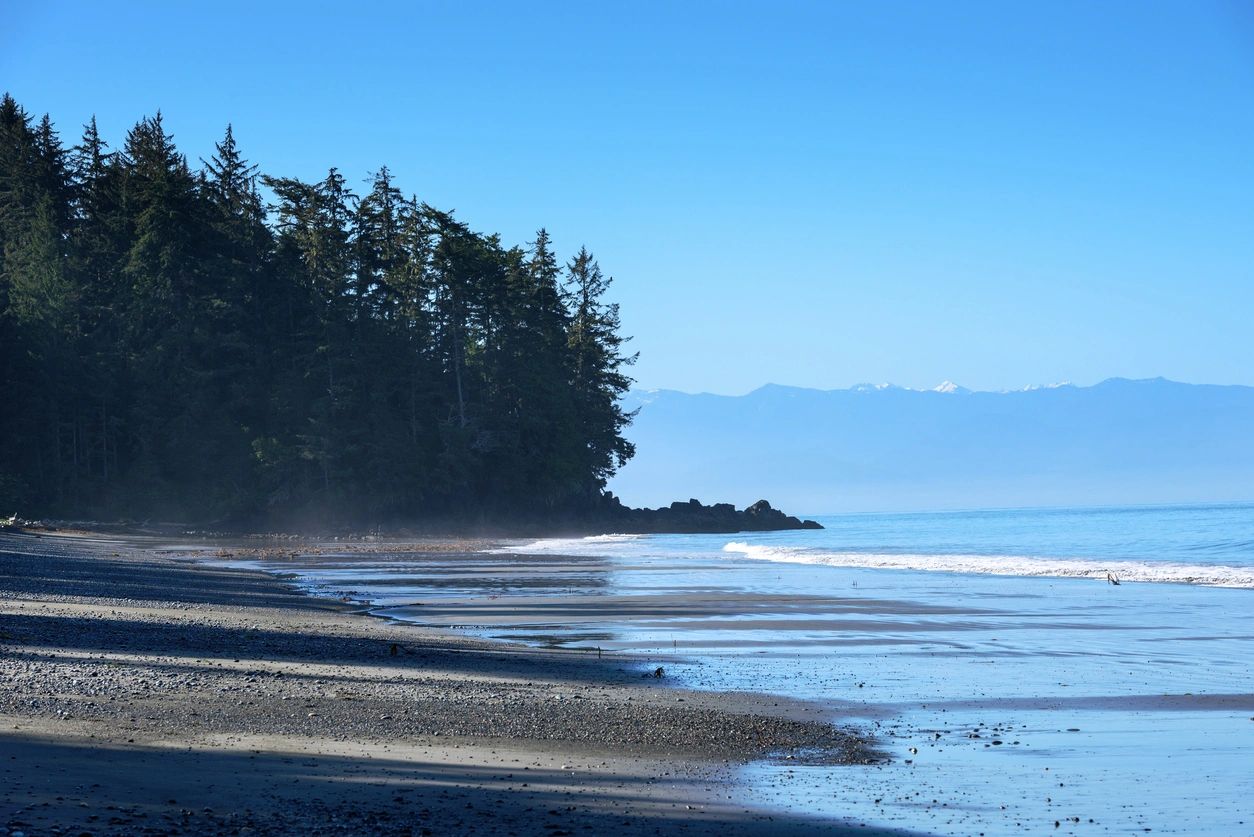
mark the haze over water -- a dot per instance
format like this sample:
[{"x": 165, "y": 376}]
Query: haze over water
[{"x": 1012, "y": 686}]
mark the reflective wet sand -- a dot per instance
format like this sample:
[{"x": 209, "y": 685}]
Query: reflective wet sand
[{"x": 1008, "y": 704}]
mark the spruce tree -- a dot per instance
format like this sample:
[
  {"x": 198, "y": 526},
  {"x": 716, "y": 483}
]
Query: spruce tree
[
  {"x": 100, "y": 239},
  {"x": 41, "y": 310},
  {"x": 599, "y": 379}
]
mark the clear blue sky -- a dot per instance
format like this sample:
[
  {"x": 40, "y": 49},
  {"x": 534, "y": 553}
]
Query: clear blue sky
[{"x": 814, "y": 193}]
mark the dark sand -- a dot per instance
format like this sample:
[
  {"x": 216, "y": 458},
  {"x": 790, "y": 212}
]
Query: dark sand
[{"x": 143, "y": 695}]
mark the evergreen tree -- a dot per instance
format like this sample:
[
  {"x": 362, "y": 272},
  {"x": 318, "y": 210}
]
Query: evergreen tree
[
  {"x": 184, "y": 432},
  {"x": 315, "y": 234},
  {"x": 99, "y": 237},
  {"x": 380, "y": 249},
  {"x": 542, "y": 372},
  {"x": 599, "y": 379},
  {"x": 39, "y": 319}
]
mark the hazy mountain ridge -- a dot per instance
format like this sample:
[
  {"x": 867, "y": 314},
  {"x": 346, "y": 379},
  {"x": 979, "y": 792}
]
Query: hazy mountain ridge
[{"x": 887, "y": 447}]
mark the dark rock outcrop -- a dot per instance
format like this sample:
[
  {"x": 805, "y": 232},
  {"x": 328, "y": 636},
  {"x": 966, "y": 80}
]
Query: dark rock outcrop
[{"x": 693, "y": 517}]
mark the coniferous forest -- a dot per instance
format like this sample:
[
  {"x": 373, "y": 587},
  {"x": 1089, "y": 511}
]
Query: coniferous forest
[{"x": 208, "y": 343}]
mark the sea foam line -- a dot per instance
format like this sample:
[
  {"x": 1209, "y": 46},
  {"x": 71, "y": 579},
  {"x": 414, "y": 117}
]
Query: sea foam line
[
  {"x": 575, "y": 546},
  {"x": 1165, "y": 573}
]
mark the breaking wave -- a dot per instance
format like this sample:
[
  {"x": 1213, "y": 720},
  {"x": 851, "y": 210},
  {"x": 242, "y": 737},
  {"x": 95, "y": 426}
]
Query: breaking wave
[
  {"x": 1164, "y": 573},
  {"x": 591, "y": 545}
]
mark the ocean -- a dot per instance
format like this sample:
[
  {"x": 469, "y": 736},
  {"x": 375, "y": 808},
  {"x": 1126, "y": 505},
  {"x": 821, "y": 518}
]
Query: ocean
[{"x": 1013, "y": 686}]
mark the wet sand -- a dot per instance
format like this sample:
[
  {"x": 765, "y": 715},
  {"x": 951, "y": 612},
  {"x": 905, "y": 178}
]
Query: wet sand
[
  {"x": 140, "y": 694},
  {"x": 1008, "y": 704}
]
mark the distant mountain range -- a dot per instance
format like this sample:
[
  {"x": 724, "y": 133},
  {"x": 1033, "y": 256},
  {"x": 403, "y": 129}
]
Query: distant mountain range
[{"x": 886, "y": 447}]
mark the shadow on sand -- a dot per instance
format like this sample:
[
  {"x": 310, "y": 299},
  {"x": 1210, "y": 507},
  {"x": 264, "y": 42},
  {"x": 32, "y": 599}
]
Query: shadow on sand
[{"x": 107, "y": 789}]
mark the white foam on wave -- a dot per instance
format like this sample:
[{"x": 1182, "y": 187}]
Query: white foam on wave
[
  {"x": 593, "y": 544},
  {"x": 1016, "y": 565}
]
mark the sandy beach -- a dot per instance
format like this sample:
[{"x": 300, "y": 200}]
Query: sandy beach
[{"x": 141, "y": 694}]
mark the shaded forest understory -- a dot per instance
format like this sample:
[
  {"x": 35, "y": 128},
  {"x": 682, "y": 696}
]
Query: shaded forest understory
[{"x": 174, "y": 345}]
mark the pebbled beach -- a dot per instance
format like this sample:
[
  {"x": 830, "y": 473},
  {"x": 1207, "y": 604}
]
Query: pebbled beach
[{"x": 145, "y": 695}]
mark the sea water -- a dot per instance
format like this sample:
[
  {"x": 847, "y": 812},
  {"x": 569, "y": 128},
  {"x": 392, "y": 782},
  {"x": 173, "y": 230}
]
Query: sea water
[{"x": 1013, "y": 686}]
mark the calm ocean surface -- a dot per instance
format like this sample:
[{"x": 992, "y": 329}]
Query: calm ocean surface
[{"x": 1015, "y": 689}]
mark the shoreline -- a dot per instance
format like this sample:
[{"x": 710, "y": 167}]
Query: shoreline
[
  {"x": 680, "y": 517},
  {"x": 1005, "y": 702},
  {"x": 154, "y": 685}
]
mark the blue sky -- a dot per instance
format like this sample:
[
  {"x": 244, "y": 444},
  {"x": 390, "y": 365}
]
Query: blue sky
[{"x": 816, "y": 194}]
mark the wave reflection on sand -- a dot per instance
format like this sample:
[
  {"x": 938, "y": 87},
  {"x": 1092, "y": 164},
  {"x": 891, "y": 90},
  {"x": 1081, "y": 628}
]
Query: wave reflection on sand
[{"x": 1009, "y": 702}]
